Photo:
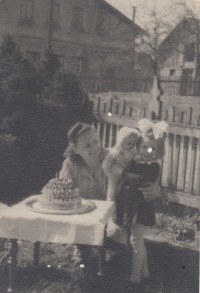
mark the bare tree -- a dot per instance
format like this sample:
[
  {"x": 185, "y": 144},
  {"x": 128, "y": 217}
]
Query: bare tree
[{"x": 157, "y": 28}]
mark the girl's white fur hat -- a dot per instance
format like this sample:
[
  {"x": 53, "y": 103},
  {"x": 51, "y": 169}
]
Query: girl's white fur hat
[{"x": 125, "y": 132}]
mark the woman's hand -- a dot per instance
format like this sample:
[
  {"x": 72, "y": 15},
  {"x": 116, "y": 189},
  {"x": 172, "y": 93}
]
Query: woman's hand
[
  {"x": 131, "y": 178},
  {"x": 113, "y": 230},
  {"x": 109, "y": 198},
  {"x": 150, "y": 191}
]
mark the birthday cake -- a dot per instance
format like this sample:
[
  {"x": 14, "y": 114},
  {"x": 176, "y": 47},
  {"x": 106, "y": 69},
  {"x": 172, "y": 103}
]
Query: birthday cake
[{"x": 60, "y": 194}]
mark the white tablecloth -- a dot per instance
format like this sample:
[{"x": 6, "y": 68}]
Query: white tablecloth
[{"x": 19, "y": 222}]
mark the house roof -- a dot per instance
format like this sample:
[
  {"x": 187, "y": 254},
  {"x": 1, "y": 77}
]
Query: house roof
[
  {"x": 119, "y": 14},
  {"x": 179, "y": 35},
  {"x": 185, "y": 26}
]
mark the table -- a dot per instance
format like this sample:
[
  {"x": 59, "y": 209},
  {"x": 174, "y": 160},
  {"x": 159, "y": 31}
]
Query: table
[{"x": 20, "y": 222}]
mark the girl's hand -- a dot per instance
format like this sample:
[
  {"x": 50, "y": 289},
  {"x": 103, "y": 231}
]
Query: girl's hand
[
  {"x": 115, "y": 171},
  {"x": 150, "y": 191}
]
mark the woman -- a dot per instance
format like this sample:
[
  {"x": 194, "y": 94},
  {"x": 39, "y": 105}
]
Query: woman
[
  {"x": 83, "y": 166},
  {"x": 84, "y": 160}
]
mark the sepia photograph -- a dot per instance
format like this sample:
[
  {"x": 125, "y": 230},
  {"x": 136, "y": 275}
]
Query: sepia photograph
[{"x": 99, "y": 146}]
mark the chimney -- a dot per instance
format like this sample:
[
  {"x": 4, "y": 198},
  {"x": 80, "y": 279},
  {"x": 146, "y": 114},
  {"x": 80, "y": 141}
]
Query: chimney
[{"x": 134, "y": 12}]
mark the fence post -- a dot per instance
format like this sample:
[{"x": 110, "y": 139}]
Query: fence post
[
  {"x": 99, "y": 87},
  {"x": 155, "y": 105}
]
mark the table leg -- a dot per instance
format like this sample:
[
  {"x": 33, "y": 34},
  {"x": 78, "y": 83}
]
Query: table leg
[
  {"x": 12, "y": 263},
  {"x": 102, "y": 254},
  {"x": 36, "y": 254}
]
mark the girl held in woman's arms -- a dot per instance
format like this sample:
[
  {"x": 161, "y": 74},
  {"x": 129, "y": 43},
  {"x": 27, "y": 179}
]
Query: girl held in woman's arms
[{"x": 120, "y": 156}]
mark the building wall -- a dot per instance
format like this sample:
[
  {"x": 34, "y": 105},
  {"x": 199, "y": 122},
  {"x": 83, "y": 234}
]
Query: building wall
[
  {"x": 175, "y": 64},
  {"x": 28, "y": 22},
  {"x": 177, "y": 52}
]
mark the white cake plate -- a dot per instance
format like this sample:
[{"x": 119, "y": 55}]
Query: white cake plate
[{"x": 86, "y": 206}]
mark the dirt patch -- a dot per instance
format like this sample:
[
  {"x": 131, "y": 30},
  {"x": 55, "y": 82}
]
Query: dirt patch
[{"x": 173, "y": 270}]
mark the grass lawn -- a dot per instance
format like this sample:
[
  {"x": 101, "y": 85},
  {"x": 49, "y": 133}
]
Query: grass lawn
[{"x": 173, "y": 270}]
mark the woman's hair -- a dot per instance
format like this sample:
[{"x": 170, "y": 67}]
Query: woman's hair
[
  {"x": 73, "y": 135},
  {"x": 159, "y": 142}
]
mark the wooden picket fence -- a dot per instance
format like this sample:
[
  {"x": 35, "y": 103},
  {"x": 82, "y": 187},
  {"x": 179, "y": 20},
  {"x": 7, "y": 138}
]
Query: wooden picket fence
[{"x": 180, "y": 168}]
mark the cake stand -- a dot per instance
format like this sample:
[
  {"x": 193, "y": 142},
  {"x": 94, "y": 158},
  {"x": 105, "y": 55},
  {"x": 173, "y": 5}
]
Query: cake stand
[{"x": 86, "y": 206}]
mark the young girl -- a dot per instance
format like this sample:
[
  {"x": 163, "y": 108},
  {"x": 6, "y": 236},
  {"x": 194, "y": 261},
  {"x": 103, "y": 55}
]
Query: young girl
[
  {"x": 151, "y": 148},
  {"x": 119, "y": 157}
]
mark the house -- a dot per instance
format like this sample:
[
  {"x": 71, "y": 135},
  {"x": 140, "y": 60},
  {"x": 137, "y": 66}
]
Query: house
[
  {"x": 178, "y": 51},
  {"x": 90, "y": 37},
  {"x": 179, "y": 58}
]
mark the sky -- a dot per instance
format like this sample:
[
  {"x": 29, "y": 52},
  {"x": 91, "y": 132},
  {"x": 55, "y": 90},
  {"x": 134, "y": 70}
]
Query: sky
[{"x": 164, "y": 7}]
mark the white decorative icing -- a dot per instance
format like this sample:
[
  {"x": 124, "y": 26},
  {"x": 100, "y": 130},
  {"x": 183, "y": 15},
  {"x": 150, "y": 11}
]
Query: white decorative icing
[{"x": 60, "y": 194}]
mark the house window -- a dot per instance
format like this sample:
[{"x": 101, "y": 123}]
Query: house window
[
  {"x": 34, "y": 58},
  {"x": 180, "y": 59},
  {"x": 77, "y": 65},
  {"x": 55, "y": 13},
  {"x": 77, "y": 19},
  {"x": 189, "y": 52},
  {"x": 62, "y": 62},
  {"x": 27, "y": 7},
  {"x": 172, "y": 72},
  {"x": 101, "y": 20}
]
